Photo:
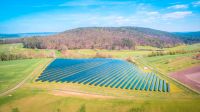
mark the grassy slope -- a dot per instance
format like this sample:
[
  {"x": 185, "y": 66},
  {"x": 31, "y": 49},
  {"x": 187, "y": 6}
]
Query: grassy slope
[
  {"x": 171, "y": 63},
  {"x": 32, "y": 93},
  {"x": 79, "y": 53},
  {"x": 12, "y": 72},
  {"x": 181, "y": 47},
  {"x": 18, "y": 49},
  {"x": 42, "y": 101},
  {"x": 185, "y": 47}
]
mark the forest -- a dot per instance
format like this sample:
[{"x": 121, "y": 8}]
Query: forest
[{"x": 110, "y": 38}]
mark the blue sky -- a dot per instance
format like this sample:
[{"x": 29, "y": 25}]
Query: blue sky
[{"x": 21, "y": 16}]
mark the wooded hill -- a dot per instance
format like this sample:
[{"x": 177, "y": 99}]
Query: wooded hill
[
  {"x": 189, "y": 37},
  {"x": 104, "y": 38}
]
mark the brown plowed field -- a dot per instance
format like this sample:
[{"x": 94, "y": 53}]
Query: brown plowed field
[{"x": 189, "y": 76}]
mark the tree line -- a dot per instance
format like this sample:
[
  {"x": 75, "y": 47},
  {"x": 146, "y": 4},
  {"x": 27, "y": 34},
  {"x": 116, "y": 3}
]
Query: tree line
[
  {"x": 174, "y": 52},
  {"x": 78, "y": 43},
  {"x": 6, "y": 56}
]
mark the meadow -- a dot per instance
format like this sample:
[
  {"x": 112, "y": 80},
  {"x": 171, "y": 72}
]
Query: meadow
[
  {"x": 26, "y": 100},
  {"x": 12, "y": 72},
  {"x": 34, "y": 96}
]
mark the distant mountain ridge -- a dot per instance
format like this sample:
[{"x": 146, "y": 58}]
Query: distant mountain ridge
[
  {"x": 110, "y": 38},
  {"x": 105, "y": 38},
  {"x": 189, "y": 37}
]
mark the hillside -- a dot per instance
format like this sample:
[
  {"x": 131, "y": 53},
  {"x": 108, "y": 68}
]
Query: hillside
[
  {"x": 189, "y": 37},
  {"x": 105, "y": 38}
]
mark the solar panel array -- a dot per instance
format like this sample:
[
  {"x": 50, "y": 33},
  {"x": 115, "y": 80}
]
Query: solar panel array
[{"x": 103, "y": 72}]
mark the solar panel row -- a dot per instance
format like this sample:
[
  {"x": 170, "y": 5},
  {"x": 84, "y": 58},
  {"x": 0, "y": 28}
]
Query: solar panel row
[{"x": 103, "y": 72}]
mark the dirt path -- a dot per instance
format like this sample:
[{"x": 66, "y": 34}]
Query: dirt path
[
  {"x": 189, "y": 76},
  {"x": 35, "y": 71},
  {"x": 80, "y": 94}
]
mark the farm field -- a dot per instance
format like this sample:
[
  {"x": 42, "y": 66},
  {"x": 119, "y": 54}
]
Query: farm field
[
  {"x": 61, "y": 102},
  {"x": 19, "y": 49},
  {"x": 60, "y": 96},
  {"x": 12, "y": 72},
  {"x": 171, "y": 63},
  {"x": 100, "y": 56},
  {"x": 76, "y": 53},
  {"x": 89, "y": 53},
  {"x": 189, "y": 76},
  {"x": 110, "y": 98}
]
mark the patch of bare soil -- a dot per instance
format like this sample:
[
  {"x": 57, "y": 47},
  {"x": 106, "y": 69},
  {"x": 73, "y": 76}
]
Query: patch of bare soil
[
  {"x": 79, "y": 94},
  {"x": 189, "y": 76}
]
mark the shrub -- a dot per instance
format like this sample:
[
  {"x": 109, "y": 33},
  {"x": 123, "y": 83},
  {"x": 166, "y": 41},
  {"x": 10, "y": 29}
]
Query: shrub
[
  {"x": 82, "y": 109},
  {"x": 9, "y": 56},
  {"x": 102, "y": 55},
  {"x": 131, "y": 59},
  {"x": 15, "y": 110}
]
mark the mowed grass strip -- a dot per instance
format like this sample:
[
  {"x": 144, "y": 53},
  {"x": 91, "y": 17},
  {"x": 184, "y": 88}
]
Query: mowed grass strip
[
  {"x": 59, "y": 102},
  {"x": 13, "y": 72}
]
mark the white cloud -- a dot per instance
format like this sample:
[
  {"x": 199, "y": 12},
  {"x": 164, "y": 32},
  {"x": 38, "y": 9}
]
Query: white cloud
[
  {"x": 61, "y": 21},
  {"x": 196, "y": 4},
  {"x": 176, "y": 15},
  {"x": 153, "y": 13},
  {"x": 180, "y": 6}
]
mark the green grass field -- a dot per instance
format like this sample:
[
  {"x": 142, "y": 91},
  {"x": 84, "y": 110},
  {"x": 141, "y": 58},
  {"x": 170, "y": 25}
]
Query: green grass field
[
  {"x": 171, "y": 63},
  {"x": 49, "y": 97},
  {"x": 87, "y": 53},
  {"x": 40, "y": 100},
  {"x": 12, "y": 72}
]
